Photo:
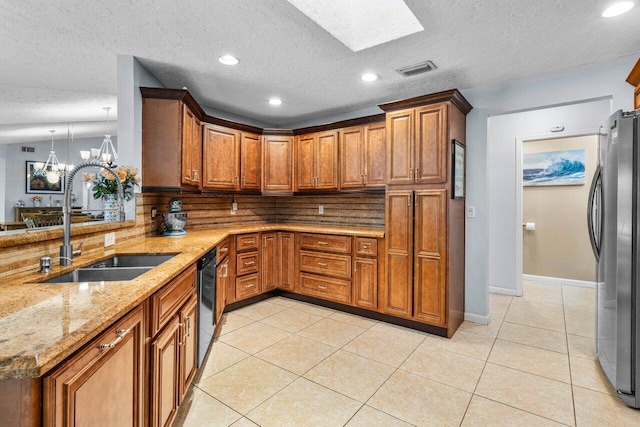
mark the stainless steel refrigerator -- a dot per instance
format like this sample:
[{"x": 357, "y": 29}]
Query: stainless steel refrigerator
[{"x": 613, "y": 217}]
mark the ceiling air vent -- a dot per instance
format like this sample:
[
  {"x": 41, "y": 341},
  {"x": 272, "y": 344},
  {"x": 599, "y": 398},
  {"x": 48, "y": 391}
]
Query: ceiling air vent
[{"x": 420, "y": 68}]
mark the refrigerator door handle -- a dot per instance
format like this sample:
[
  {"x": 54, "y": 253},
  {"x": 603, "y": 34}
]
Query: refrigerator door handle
[{"x": 595, "y": 237}]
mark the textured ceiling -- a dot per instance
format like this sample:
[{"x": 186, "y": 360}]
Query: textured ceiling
[{"x": 71, "y": 45}]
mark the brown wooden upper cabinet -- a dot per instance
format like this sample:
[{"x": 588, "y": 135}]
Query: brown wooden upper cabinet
[
  {"x": 317, "y": 161},
  {"x": 221, "y": 149},
  {"x": 277, "y": 164},
  {"x": 634, "y": 80},
  {"x": 250, "y": 161},
  {"x": 417, "y": 148},
  {"x": 363, "y": 157},
  {"x": 171, "y": 135}
]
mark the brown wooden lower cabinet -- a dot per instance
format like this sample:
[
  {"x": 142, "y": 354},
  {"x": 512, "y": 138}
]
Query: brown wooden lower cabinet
[
  {"x": 165, "y": 386},
  {"x": 365, "y": 282},
  {"x": 102, "y": 384},
  {"x": 269, "y": 261},
  {"x": 247, "y": 286},
  {"x": 222, "y": 283},
  {"x": 285, "y": 259},
  {"x": 188, "y": 344}
]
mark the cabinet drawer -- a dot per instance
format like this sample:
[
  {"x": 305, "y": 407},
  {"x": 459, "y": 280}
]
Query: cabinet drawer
[
  {"x": 247, "y": 263},
  {"x": 366, "y": 246},
  {"x": 326, "y": 242},
  {"x": 166, "y": 302},
  {"x": 325, "y": 287},
  {"x": 326, "y": 264},
  {"x": 247, "y": 242},
  {"x": 223, "y": 250},
  {"x": 247, "y": 286}
]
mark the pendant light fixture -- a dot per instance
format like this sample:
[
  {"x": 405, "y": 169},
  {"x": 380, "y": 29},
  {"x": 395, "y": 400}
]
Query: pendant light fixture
[
  {"x": 52, "y": 169},
  {"x": 107, "y": 153}
]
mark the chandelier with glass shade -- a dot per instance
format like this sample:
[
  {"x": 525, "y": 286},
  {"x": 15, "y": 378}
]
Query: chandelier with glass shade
[
  {"x": 106, "y": 154},
  {"x": 53, "y": 169}
]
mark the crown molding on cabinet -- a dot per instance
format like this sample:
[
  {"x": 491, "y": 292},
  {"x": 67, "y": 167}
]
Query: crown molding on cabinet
[{"x": 453, "y": 95}]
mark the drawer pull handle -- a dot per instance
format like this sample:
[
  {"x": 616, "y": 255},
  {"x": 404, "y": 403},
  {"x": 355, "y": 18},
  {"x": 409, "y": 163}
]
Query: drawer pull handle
[
  {"x": 224, "y": 250},
  {"x": 322, "y": 243},
  {"x": 121, "y": 334},
  {"x": 248, "y": 242},
  {"x": 248, "y": 263},
  {"x": 251, "y": 285},
  {"x": 365, "y": 246},
  {"x": 322, "y": 264},
  {"x": 322, "y": 288}
]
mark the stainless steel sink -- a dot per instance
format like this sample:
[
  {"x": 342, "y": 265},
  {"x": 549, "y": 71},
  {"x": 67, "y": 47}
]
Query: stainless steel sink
[
  {"x": 99, "y": 275},
  {"x": 135, "y": 260}
]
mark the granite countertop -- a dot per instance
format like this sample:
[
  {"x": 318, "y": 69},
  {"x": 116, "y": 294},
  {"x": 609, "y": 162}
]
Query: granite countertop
[{"x": 43, "y": 324}]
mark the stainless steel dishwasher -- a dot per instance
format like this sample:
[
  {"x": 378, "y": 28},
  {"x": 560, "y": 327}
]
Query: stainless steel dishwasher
[{"x": 206, "y": 302}]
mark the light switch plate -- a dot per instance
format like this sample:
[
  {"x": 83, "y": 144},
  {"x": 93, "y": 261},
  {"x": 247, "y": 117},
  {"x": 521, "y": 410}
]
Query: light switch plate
[
  {"x": 109, "y": 239},
  {"x": 321, "y": 209},
  {"x": 471, "y": 211}
]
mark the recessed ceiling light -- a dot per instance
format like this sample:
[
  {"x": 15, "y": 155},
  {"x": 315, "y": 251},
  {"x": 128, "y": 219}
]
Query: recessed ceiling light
[
  {"x": 369, "y": 77},
  {"x": 228, "y": 60},
  {"x": 617, "y": 9},
  {"x": 275, "y": 101}
]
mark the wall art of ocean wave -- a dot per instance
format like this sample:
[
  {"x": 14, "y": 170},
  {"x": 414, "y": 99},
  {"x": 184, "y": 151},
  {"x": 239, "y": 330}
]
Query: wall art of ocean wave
[{"x": 554, "y": 168}]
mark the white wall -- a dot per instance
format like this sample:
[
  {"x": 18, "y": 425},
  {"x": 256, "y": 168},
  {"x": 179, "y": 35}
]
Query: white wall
[
  {"x": 600, "y": 80},
  {"x": 3, "y": 187}
]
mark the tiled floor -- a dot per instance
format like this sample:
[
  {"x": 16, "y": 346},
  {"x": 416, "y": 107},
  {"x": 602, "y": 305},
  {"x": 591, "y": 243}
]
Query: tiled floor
[{"x": 285, "y": 363}]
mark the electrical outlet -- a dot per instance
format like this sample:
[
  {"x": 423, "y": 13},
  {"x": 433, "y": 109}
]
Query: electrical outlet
[
  {"x": 109, "y": 239},
  {"x": 234, "y": 206},
  {"x": 321, "y": 209},
  {"x": 471, "y": 211}
]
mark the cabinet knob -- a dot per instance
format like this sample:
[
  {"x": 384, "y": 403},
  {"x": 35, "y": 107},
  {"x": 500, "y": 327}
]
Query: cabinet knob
[{"x": 195, "y": 174}]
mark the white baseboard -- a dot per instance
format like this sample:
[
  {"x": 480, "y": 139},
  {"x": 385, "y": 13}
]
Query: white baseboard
[
  {"x": 558, "y": 281},
  {"x": 476, "y": 318},
  {"x": 503, "y": 291}
]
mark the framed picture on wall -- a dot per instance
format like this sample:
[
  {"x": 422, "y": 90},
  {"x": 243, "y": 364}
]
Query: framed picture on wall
[
  {"x": 37, "y": 184},
  {"x": 458, "y": 154}
]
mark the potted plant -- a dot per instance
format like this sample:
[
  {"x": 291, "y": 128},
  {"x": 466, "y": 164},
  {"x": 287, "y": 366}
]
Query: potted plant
[
  {"x": 36, "y": 201},
  {"x": 106, "y": 188}
]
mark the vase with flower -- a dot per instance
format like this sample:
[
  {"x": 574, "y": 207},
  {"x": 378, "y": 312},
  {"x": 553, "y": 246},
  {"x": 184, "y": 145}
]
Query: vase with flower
[
  {"x": 106, "y": 188},
  {"x": 36, "y": 201}
]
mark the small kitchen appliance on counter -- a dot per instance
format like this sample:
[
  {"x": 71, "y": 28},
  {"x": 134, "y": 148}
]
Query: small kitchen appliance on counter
[{"x": 175, "y": 219}]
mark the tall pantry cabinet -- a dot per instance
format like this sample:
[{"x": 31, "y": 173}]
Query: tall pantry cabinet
[{"x": 424, "y": 223}]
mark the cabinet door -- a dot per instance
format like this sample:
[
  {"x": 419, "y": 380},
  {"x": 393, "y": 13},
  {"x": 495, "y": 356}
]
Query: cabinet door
[
  {"x": 188, "y": 155},
  {"x": 375, "y": 156},
  {"x": 352, "y": 155},
  {"x": 305, "y": 162},
  {"x": 327, "y": 161},
  {"x": 165, "y": 385},
  {"x": 102, "y": 384},
  {"x": 277, "y": 167},
  {"x": 221, "y": 158},
  {"x": 247, "y": 286},
  {"x": 430, "y": 257},
  {"x": 268, "y": 266},
  {"x": 397, "y": 292},
  {"x": 399, "y": 131},
  {"x": 188, "y": 345},
  {"x": 431, "y": 144},
  {"x": 196, "y": 151},
  {"x": 365, "y": 282},
  {"x": 285, "y": 261},
  {"x": 250, "y": 161},
  {"x": 222, "y": 282}
]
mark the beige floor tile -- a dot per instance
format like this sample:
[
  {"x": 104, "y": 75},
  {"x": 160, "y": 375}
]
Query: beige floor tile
[
  {"x": 369, "y": 417},
  {"x": 247, "y": 384},
  {"x": 465, "y": 343},
  {"x": 542, "y": 293},
  {"x": 383, "y": 346},
  {"x": 331, "y": 332},
  {"x": 536, "y": 314},
  {"x": 575, "y": 296},
  {"x": 582, "y": 346},
  {"x": 350, "y": 374},
  {"x": 535, "y": 337},
  {"x": 304, "y": 403},
  {"x": 314, "y": 309},
  {"x": 581, "y": 322},
  {"x": 244, "y": 422},
  {"x": 221, "y": 357},
  {"x": 291, "y": 320},
  {"x": 454, "y": 369},
  {"x": 420, "y": 401},
  {"x": 296, "y": 354},
  {"x": 533, "y": 360},
  {"x": 233, "y": 321},
  {"x": 484, "y": 412},
  {"x": 286, "y": 302},
  {"x": 352, "y": 319},
  {"x": 254, "y": 337},
  {"x": 587, "y": 373},
  {"x": 398, "y": 332},
  {"x": 601, "y": 409},
  {"x": 260, "y": 310},
  {"x": 490, "y": 330},
  {"x": 205, "y": 410},
  {"x": 532, "y": 393},
  {"x": 498, "y": 305}
]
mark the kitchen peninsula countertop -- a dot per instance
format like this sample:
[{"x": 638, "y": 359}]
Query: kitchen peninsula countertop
[{"x": 43, "y": 324}]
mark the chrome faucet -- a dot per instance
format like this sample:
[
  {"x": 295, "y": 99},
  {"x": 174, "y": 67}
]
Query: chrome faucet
[{"x": 66, "y": 250}]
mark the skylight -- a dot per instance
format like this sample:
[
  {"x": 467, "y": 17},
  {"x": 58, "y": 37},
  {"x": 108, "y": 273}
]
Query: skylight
[{"x": 360, "y": 24}]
